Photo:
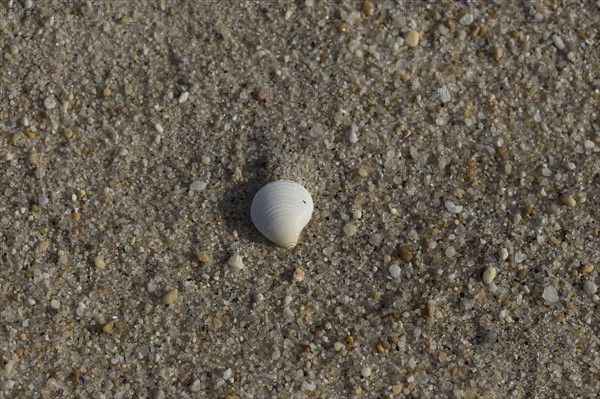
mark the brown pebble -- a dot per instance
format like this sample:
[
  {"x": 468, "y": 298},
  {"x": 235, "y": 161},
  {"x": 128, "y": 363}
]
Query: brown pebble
[
  {"x": 170, "y": 297},
  {"x": 68, "y": 133},
  {"x": 202, "y": 257},
  {"x": 42, "y": 246},
  {"x": 298, "y": 275},
  {"x": 261, "y": 96},
  {"x": 498, "y": 54},
  {"x": 406, "y": 254},
  {"x": 108, "y": 328},
  {"x": 99, "y": 262},
  {"x": 367, "y": 8},
  {"x": 19, "y": 351},
  {"x": 411, "y": 39}
]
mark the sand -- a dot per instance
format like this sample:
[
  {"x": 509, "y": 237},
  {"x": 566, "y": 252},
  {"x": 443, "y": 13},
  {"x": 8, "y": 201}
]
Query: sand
[{"x": 451, "y": 150}]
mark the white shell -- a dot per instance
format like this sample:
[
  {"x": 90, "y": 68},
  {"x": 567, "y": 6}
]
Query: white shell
[{"x": 280, "y": 210}]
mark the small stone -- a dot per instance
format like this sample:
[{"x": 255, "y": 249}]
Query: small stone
[
  {"x": 42, "y": 246},
  {"x": 568, "y": 201},
  {"x": 338, "y": 346},
  {"x": 43, "y": 200},
  {"x": 288, "y": 314},
  {"x": 430, "y": 310},
  {"x": 202, "y": 257},
  {"x": 99, "y": 262},
  {"x": 198, "y": 185},
  {"x": 196, "y": 386},
  {"x": 362, "y": 172},
  {"x": 235, "y": 262},
  {"x": 350, "y": 229},
  {"x": 50, "y": 102},
  {"x": 503, "y": 253},
  {"x": 489, "y": 275},
  {"x": 55, "y": 304},
  {"x": 170, "y": 296},
  {"x": 450, "y": 252},
  {"x": 550, "y": 294},
  {"x": 365, "y": 371},
  {"x": 406, "y": 254},
  {"x": 159, "y": 128},
  {"x": 108, "y": 328},
  {"x": 352, "y": 134},
  {"x": 396, "y": 389},
  {"x": 411, "y": 39},
  {"x": 183, "y": 97},
  {"x": 205, "y": 159},
  {"x": 227, "y": 374},
  {"x": 306, "y": 386},
  {"x": 33, "y": 158},
  {"x": 590, "y": 288},
  {"x": 298, "y": 275},
  {"x": 558, "y": 42},
  {"x": 589, "y": 144},
  {"x": 498, "y": 53},
  {"x": 395, "y": 271},
  {"x": 452, "y": 208}
]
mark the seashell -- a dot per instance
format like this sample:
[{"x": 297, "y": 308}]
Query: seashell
[{"x": 280, "y": 210}]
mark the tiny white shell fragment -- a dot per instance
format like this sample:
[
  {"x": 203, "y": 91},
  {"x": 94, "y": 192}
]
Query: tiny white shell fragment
[
  {"x": 236, "y": 262},
  {"x": 198, "y": 185},
  {"x": 489, "y": 275},
  {"x": 280, "y": 210}
]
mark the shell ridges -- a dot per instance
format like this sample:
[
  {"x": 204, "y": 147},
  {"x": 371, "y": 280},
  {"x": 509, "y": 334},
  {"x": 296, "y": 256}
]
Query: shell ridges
[{"x": 280, "y": 210}]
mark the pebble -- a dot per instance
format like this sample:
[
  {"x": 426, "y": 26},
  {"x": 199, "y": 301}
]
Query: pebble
[
  {"x": 503, "y": 253},
  {"x": 352, "y": 134},
  {"x": 590, "y": 288},
  {"x": 55, "y": 304},
  {"x": 550, "y": 294},
  {"x": 411, "y": 39},
  {"x": 99, "y": 262},
  {"x": 202, "y": 257},
  {"x": 558, "y": 42},
  {"x": 43, "y": 200},
  {"x": 198, "y": 185},
  {"x": 450, "y": 252},
  {"x": 406, "y": 254},
  {"x": 183, "y": 97},
  {"x": 453, "y": 208},
  {"x": 159, "y": 128},
  {"x": 489, "y": 275},
  {"x": 235, "y": 262},
  {"x": 365, "y": 371},
  {"x": 170, "y": 297},
  {"x": 196, "y": 386},
  {"x": 395, "y": 271},
  {"x": 50, "y": 102},
  {"x": 568, "y": 201},
  {"x": 350, "y": 229},
  {"x": 589, "y": 144},
  {"x": 306, "y": 386},
  {"x": 298, "y": 275},
  {"x": 227, "y": 374}
]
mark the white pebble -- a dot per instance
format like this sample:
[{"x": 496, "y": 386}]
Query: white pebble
[
  {"x": 338, "y": 346},
  {"x": 520, "y": 257},
  {"x": 558, "y": 42},
  {"x": 306, "y": 386},
  {"x": 288, "y": 314},
  {"x": 196, "y": 386},
  {"x": 43, "y": 200},
  {"x": 159, "y": 128},
  {"x": 489, "y": 275},
  {"x": 453, "y": 208},
  {"x": 50, "y": 102},
  {"x": 236, "y": 262},
  {"x": 503, "y": 253},
  {"x": 589, "y": 287},
  {"x": 395, "y": 271},
  {"x": 54, "y": 304},
  {"x": 227, "y": 374},
  {"x": 198, "y": 185},
  {"x": 589, "y": 144},
  {"x": 28, "y": 4},
  {"x": 365, "y": 371},
  {"x": 352, "y": 134},
  {"x": 183, "y": 97},
  {"x": 550, "y": 294},
  {"x": 450, "y": 252}
]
